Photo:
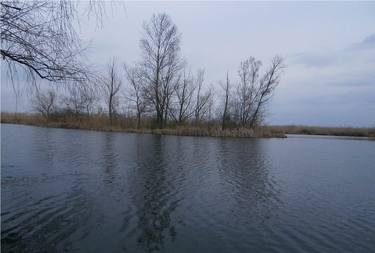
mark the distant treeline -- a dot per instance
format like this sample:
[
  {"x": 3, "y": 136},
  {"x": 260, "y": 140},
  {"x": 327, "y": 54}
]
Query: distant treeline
[{"x": 317, "y": 130}]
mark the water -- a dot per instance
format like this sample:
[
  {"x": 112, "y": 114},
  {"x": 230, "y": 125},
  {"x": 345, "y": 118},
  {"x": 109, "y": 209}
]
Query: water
[{"x": 82, "y": 191}]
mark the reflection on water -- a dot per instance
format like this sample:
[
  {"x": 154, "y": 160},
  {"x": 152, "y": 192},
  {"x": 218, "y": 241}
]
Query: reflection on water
[
  {"x": 80, "y": 191},
  {"x": 155, "y": 201},
  {"x": 245, "y": 169},
  {"x": 109, "y": 159}
]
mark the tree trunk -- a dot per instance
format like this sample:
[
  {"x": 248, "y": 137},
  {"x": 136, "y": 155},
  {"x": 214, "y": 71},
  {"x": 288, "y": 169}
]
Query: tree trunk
[
  {"x": 226, "y": 103},
  {"x": 110, "y": 110},
  {"x": 138, "y": 120}
]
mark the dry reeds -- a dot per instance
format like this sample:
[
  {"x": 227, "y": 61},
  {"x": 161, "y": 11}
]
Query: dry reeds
[{"x": 100, "y": 122}]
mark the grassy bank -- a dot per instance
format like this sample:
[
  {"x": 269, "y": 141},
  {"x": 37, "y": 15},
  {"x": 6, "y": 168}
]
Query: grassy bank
[{"x": 100, "y": 123}]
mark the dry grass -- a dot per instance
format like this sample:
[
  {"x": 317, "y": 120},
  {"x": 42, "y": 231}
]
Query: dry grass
[{"x": 100, "y": 123}]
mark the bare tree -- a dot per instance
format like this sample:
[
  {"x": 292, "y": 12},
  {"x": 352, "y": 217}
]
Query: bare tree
[
  {"x": 267, "y": 85},
  {"x": 134, "y": 78},
  {"x": 161, "y": 62},
  {"x": 226, "y": 101},
  {"x": 39, "y": 37},
  {"x": 202, "y": 100},
  {"x": 80, "y": 98},
  {"x": 90, "y": 96},
  {"x": 169, "y": 82},
  {"x": 111, "y": 87},
  {"x": 252, "y": 92},
  {"x": 210, "y": 103},
  {"x": 246, "y": 90},
  {"x": 45, "y": 102},
  {"x": 184, "y": 91}
]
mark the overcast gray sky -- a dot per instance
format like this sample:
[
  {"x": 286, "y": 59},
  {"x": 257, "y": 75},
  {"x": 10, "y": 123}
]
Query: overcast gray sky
[{"x": 329, "y": 50}]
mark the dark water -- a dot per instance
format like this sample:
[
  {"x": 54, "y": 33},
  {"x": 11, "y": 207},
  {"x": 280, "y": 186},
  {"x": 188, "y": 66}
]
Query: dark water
[{"x": 81, "y": 191}]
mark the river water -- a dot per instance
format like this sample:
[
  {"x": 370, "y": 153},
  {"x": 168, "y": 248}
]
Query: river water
[{"x": 85, "y": 191}]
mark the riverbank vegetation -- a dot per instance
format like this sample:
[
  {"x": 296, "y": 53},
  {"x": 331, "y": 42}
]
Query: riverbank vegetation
[{"x": 100, "y": 122}]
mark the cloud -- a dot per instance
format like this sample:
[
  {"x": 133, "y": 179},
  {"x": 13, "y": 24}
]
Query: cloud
[
  {"x": 352, "y": 66},
  {"x": 355, "y": 80},
  {"x": 367, "y": 43},
  {"x": 331, "y": 87},
  {"x": 362, "y": 52}
]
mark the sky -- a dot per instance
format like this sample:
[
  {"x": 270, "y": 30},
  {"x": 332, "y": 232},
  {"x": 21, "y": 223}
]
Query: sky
[{"x": 328, "y": 47}]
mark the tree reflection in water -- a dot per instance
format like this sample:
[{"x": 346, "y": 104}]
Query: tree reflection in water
[
  {"x": 244, "y": 169},
  {"x": 156, "y": 200}
]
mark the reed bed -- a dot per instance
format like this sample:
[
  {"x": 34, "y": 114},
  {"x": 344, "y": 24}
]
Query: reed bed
[{"x": 99, "y": 122}]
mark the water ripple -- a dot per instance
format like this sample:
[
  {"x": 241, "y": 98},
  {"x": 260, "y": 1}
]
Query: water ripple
[{"x": 79, "y": 191}]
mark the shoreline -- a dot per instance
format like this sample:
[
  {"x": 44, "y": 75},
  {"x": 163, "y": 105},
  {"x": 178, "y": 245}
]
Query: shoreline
[
  {"x": 190, "y": 132},
  {"x": 362, "y": 132},
  {"x": 35, "y": 120},
  {"x": 99, "y": 123}
]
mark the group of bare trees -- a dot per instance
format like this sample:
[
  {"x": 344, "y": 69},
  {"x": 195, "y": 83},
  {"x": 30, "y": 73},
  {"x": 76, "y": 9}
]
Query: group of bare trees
[
  {"x": 245, "y": 105},
  {"x": 75, "y": 100},
  {"x": 160, "y": 83},
  {"x": 39, "y": 37},
  {"x": 79, "y": 98},
  {"x": 180, "y": 101},
  {"x": 162, "y": 86},
  {"x": 45, "y": 103}
]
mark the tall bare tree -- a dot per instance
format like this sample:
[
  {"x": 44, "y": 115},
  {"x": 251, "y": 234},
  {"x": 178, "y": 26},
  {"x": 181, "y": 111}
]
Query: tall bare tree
[
  {"x": 111, "y": 87},
  {"x": 161, "y": 62},
  {"x": 267, "y": 85},
  {"x": 246, "y": 90},
  {"x": 202, "y": 99},
  {"x": 134, "y": 78},
  {"x": 254, "y": 91}
]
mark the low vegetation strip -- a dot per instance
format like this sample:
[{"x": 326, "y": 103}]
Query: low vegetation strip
[
  {"x": 100, "y": 123},
  {"x": 334, "y": 131}
]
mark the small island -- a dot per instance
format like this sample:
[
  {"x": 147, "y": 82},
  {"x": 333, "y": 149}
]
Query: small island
[{"x": 100, "y": 122}]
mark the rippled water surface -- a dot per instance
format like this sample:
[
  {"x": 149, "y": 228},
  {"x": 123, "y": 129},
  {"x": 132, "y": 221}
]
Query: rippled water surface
[{"x": 82, "y": 191}]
